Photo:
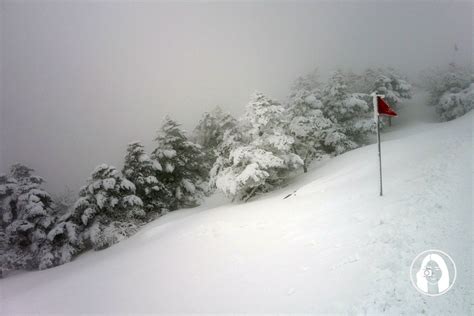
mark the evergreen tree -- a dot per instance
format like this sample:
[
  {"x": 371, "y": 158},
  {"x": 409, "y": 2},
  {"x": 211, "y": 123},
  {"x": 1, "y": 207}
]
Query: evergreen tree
[
  {"x": 210, "y": 130},
  {"x": 106, "y": 212},
  {"x": 388, "y": 82},
  {"x": 26, "y": 217},
  {"x": 452, "y": 105},
  {"x": 209, "y": 134},
  {"x": 184, "y": 171},
  {"x": 308, "y": 126},
  {"x": 308, "y": 84},
  {"x": 451, "y": 90},
  {"x": 257, "y": 155},
  {"x": 144, "y": 172},
  {"x": 349, "y": 113}
]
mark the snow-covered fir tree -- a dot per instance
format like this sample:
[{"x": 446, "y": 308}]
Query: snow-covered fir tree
[
  {"x": 144, "y": 173},
  {"x": 451, "y": 78},
  {"x": 307, "y": 125},
  {"x": 257, "y": 155},
  {"x": 209, "y": 132},
  {"x": 26, "y": 216},
  {"x": 106, "y": 212},
  {"x": 308, "y": 84},
  {"x": 388, "y": 82},
  {"x": 451, "y": 90},
  {"x": 350, "y": 115},
  {"x": 452, "y": 105},
  {"x": 184, "y": 172}
]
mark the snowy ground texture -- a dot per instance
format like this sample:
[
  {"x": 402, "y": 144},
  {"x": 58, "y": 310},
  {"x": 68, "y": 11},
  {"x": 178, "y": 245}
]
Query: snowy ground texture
[{"x": 334, "y": 246}]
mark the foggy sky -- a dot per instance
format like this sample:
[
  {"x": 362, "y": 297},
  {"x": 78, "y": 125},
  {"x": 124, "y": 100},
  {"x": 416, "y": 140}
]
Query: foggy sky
[{"x": 81, "y": 80}]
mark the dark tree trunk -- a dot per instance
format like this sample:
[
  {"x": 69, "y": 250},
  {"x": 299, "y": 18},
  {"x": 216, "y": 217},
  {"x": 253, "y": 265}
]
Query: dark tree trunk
[{"x": 250, "y": 195}]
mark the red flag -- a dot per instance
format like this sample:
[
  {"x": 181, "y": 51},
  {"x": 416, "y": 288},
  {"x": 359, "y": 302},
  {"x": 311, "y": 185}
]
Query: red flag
[{"x": 383, "y": 108}]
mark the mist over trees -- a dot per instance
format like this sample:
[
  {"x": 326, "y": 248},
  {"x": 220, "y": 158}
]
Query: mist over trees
[
  {"x": 451, "y": 90},
  {"x": 242, "y": 157}
]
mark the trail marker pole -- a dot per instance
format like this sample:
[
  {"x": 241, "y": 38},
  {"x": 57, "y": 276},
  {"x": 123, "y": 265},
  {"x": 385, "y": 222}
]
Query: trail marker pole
[
  {"x": 377, "y": 121},
  {"x": 380, "y": 108},
  {"x": 380, "y": 155}
]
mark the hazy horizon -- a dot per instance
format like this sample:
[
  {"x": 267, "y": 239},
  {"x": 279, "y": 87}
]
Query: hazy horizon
[{"x": 81, "y": 80}]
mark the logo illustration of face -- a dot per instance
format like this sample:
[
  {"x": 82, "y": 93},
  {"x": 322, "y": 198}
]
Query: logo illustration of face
[
  {"x": 433, "y": 272},
  {"x": 430, "y": 274}
]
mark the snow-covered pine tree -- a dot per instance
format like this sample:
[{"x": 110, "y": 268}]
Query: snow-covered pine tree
[
  {"x": 308, "y": 126},
  {"x": 350, "y": 115},
  {"x": 257, "y": 155},
  {"x": 388, "y": 82},
  {"x": 209, "y": 133},
  {"x": 26, "y": 217},
  {"x": 309, "y": 83},
  {"x": 8, "y": 186},
  {"x": 451, "y": 90},
  {"x": 144, "y": 172},
  {"x": 184, "y": 171},
  {"x": 452, "y": 78},
  {"x": 391, "y": 84},
  {"x": 452, "y": 105},
  {"x": 106, "y": 212},
  {"x": 210, "y": 130}
]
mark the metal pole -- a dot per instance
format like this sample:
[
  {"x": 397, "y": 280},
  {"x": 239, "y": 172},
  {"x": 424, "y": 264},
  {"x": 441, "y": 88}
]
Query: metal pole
[
  {"x": 377, "y": 121},
  {"x": 380, "y": 153}
]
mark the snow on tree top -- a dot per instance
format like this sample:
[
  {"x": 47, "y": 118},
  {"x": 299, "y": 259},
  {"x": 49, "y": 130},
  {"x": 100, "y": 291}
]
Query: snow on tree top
[
  {"x": 100, "y": 168},
  {"x": 135, "y": 143}
]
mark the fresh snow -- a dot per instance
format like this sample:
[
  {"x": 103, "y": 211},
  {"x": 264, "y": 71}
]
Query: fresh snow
[
  {"x": 127, "y": 185},
  {"x": 331, "y": 246},
  {"x": 108, "y": 184}
]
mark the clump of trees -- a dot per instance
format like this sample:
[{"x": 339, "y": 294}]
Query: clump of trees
[
  {"x": 37, "y": 233},
  {"x": 241, "y": 157},
  {"x": 451, "y": 90},
  {"x": 272, "y": 140}
]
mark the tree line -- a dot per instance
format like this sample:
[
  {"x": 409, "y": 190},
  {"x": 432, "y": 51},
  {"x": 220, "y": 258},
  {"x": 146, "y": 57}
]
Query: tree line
[{"x": 241, "y": 157}]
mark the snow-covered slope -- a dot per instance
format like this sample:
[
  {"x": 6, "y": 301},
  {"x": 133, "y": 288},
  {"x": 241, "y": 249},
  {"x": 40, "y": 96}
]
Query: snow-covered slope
[{"x": 333, "y": 246}]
